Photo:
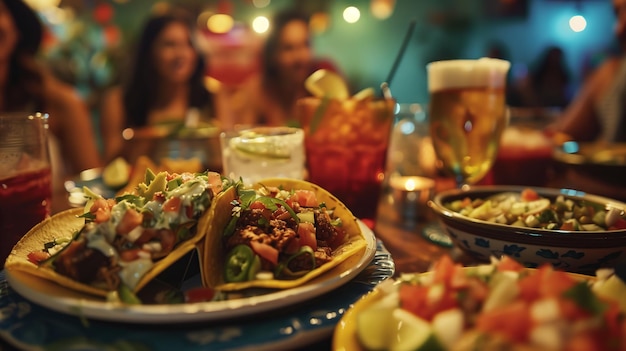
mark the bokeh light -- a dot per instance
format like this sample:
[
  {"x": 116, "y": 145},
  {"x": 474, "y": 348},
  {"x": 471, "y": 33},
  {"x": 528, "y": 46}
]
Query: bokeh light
[
  {"x": 319, "y": 22},
  {"x": 351, "y": 14},
  {"x": 578, "y": 23},
  {"x": 261, "y": 3},
  {"x": 220, "y": 23},
  {"x": 260, "y": 24},
  {"x": 382, "y": 9}
]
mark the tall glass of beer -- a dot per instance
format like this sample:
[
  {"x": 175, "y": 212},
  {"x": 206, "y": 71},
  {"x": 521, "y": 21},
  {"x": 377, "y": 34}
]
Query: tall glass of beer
[{"x": 468, "y": 114}]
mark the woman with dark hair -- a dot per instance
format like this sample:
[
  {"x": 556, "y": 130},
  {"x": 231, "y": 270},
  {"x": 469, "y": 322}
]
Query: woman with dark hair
[
  {"x": 287, "y": 60},
  {"x": 25, "y": 86},
  {"x": 165, "y": 84}
]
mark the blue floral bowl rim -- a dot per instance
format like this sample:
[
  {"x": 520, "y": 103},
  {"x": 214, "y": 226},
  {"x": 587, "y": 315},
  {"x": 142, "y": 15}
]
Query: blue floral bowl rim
[{"x": 525, "y": 235}]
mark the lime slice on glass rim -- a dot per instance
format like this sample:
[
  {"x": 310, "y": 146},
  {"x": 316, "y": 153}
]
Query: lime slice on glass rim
[{"x": 254, "y": 144}]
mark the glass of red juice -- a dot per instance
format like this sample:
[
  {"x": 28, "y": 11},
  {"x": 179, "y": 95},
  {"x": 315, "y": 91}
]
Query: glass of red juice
[
  {"x": 25, "y": 178},
  {"x": 346, "y": 145}
]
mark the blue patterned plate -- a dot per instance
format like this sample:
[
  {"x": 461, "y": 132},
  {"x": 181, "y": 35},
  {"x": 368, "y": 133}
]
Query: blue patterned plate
[{"x": 31, "y": 326}]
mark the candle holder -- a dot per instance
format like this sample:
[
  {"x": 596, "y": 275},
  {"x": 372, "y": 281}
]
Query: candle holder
[{"x": 410, "y": 195}]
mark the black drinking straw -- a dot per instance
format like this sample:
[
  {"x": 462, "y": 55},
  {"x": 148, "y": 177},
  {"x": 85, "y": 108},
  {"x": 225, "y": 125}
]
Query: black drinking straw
[{"x": 405, "y": 42}]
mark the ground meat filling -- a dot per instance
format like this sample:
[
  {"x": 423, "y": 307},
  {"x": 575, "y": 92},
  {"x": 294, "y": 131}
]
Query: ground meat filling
[{"x": 279, "y": 231}]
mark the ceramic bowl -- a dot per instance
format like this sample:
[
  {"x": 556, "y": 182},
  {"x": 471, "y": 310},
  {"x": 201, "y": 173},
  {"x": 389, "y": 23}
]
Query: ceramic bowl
[{"x": 574, "y": 251}]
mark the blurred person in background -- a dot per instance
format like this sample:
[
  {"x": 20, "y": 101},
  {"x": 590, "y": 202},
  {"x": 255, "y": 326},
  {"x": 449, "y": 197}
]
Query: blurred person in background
[
  {"x": 548, "y": 82},
  {"x": 597, "y": 113},
  {"x": 25, "y": 85},
  {"x": 165, "y": 84},
  {"x": 287, "y": 60}
]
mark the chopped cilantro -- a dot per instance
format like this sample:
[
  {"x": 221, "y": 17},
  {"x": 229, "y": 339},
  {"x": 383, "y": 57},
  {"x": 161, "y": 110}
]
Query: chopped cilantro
[{"x": 584, "y": 297}]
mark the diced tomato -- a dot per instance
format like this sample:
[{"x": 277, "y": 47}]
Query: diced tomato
[
  {"x": 567, "y": 226},
  {"x": 129, "y": 255},
  {"x": 37, "y": 256},
  {"x": 130, "y": 221},
  {"x": 511, "y": 321},
  {"x": 258, "y": 205},
  {"x": 424, "y": 303},
  {"x": 101, "y": 210},
  {"x": 306, "y": 198},
  {"x": 509, "y": 264},
  {"x": 215, "y": 182},
  {"x": 544, "y": 282},
  {"x": 444, "y": 270},
  {"x": 266, "y": 252},
  {"x": 571, "y": 311},
  {"x": 555, "y": 283},
  {"x": 529, "y": 194},
  {"x": 306, "y": 232},
  {"x": 172, "y": 204},
  {"x": 200, "y": 294}
]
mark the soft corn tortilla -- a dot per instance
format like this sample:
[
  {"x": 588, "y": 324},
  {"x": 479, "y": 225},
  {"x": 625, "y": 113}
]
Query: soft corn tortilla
[
  {"x": 64, "y": 225},
  {"x": 213, "y": 256}
]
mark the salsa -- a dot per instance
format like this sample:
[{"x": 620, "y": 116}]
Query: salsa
[
  {"x": 529, "y": 209},
  {"x": 499, "y": 306}
]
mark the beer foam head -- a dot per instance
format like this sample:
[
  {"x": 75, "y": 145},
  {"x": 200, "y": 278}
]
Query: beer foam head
[{"x": 467, "y": 73}]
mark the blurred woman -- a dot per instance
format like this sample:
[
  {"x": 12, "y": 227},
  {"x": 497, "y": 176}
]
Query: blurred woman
[
  {"x": 287, "y": 60},
  {"x": 598, "y": 112},
  {"x": 26, "y": 86},
  {"x": 548, "y": 85},
  {"x": 165, "y": 84}
]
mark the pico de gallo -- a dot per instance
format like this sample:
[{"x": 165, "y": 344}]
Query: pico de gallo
[
  {"x": 123, "y": 238},
  {"x": 500, "y": 306},
  {"x": 278, "y": 234},
  {"x": 529, "y": 209}
]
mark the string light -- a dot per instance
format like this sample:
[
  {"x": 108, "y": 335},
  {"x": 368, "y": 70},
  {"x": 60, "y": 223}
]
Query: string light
[
  {"x": 577, "y": 23},
  {"x": 351, "y": 14},
  {"x": 260, "y": 24}
]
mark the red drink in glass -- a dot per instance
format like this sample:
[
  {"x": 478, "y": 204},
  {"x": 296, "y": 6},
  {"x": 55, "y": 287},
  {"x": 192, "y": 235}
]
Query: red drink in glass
[
  {"x": 24, "y": 202},
  {"x": 346, "y": 148}
]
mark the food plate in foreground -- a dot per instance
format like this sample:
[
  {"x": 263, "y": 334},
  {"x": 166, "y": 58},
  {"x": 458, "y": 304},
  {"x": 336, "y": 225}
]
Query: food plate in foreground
[
  {"x": 497, "y": 306},
  {"x": 63, "y": 300}
]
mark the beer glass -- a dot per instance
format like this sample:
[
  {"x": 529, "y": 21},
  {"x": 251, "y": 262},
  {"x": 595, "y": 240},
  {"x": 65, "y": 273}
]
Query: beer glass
[{"x": 468, "y": 114}]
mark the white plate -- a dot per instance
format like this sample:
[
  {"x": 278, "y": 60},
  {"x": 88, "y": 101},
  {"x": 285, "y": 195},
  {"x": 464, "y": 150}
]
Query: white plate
[{"x": 63, "y": 300}]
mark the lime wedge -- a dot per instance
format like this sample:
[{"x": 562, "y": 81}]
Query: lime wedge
[
  {"x": 256, "y": 145},
  {"x": 115, "y": 174},
  {"x": 412, "y": 333},
  {"x": 364, "y": 94},
  {"x": 374, "y": 323},
  {"x": 325, "y": 83}
]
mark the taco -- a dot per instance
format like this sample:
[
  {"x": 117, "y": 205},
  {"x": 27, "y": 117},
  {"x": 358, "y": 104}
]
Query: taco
[
  {"x": 278, "y": 234},
  {"x": 119, "y": 245}
]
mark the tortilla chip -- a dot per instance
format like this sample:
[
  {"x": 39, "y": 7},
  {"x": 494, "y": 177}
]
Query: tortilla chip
[
  {"x": 64, "y": 225},
  {"x": 213, "y": 257}
]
